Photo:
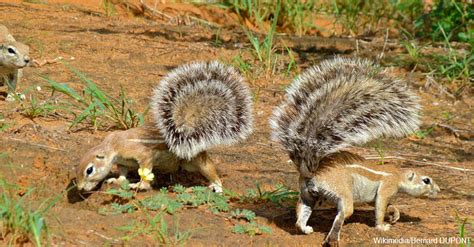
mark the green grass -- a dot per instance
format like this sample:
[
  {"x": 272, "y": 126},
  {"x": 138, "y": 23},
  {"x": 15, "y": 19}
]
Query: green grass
[
  {"x": 279, "y": 196},
  {"x": 33, "y": 107},
  {"x": 464, "y": 234},
  {"x": 109, "y": 7},
  {"x": 20, "y": 221},
  {"x": 453, "y": 19},
  {"x": 292, "y": 15},
  {"x": 96, "y": 107},
  {"x": 359, "y": 17},
  {"x": 264, "y": 50},
  {"x": 455, "y": 66},
  {"x": 157, "y": 228}
]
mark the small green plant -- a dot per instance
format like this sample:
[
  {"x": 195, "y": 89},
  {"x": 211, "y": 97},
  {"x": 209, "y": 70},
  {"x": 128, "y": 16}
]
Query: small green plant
[
  {"x": 98, "y": 107},
  {"x": 243, "y": 214},
  {"x": 3, "y": 124},
  {"x": 109, "y": 7},
  {"x": 243, "y": 65},
  {"x": 156, "y": 227},
  {"x": 264, "y": 50},
  {"x": 124, "y": 202},
  {"x": 251, "y": 229},
  {"x": 19, "y": 222},
  {"x": 292, "y": 63},
  {"x": 32, "y": 107},
  {"x": 421, "y": 134},
  {"x": 200, "y": 195},
  {"x": 465, "y": 239},
  {"x": 277, "y": 196},
  {"x": 413, "y": 50},
  {"x": 380, "y": 149}
]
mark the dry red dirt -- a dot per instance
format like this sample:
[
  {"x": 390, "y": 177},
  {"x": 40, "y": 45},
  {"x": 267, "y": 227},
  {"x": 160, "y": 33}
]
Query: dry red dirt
[{"x": 135, "y": 53}]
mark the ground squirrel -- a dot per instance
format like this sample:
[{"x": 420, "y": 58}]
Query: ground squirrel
[
  {"x": 195, "y": 107},
  {"x": 341, "y": 102},
  {"x": 13, "y": 57},
  {"x": 343, "y": 176}
]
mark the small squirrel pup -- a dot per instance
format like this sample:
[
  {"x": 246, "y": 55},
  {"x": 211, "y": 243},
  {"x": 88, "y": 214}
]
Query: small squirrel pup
[
  {"x": 195, "y": 107},
  {"x": 13, "y": 57},
  {"x": 341, "y": 102}
]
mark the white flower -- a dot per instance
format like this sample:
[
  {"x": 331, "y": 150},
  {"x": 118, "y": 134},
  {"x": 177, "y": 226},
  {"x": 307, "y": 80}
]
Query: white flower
[
  {"x": 146, "y": 174},
  {"x": 38, "y": 88}
]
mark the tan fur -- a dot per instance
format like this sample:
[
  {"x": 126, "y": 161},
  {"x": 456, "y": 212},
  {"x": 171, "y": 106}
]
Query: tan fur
[
  {"x": 11, "y": 64},
  {"x": 139, "y": 148},
  {"x": 347, "y": 179}
]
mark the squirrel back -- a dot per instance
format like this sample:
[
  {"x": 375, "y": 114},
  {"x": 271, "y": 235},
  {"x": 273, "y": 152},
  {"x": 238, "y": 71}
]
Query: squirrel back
[
  {"x": 339, "y": 103},
  {"x": 201, "y": 105}
]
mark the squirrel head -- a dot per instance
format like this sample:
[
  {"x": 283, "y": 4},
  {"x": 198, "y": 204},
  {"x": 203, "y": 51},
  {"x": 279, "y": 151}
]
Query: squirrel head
[
  {"x": 14, "y": 54},
  {"x": 94, "y": 167},
  {"x": 418, "y": 185}
]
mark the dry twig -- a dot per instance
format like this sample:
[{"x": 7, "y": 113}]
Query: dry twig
[
  {"x": 419, "y": 162},
  {"x": 34, "y": 144}
]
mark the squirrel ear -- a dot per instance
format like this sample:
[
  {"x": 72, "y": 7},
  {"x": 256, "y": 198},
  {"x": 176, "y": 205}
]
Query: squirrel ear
[
  {"x": 410, "y": 175},
  {"x": 100, "y": 156}
]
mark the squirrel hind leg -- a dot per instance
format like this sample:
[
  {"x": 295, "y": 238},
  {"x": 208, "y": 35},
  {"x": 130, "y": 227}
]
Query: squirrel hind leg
[
  {"x": 345, "y": 209},
  {"x": 206, "y": 167}
]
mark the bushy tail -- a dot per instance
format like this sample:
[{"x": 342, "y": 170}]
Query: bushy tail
[
  {"x": 201, "y": 105},
  {"x": 342, "y": 102}
]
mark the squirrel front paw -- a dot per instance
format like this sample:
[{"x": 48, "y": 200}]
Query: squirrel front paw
[
  {"x": 12, "y": 97},
  {"x": 142, "y": 185},
  {"x": 117, "y": 181},
  {"x": 305, "y": 229},
  {"x": 383, "y": 227},
  {"x": 216, "y": 187}
]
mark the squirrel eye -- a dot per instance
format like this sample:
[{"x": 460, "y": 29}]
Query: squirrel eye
[
  {"x": 11, "y": 50},
  {"x": 89, "y": 170},
  {"x": 426, "y": 180}
]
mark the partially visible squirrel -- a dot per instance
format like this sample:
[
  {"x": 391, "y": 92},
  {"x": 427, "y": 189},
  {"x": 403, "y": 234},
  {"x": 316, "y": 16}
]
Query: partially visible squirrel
[
  {"x": 341, "y": 102},
  {"x": 195, "y": 107},
  {"x": 352, "y": 181},
  {"x": 13, "y": 57}
]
